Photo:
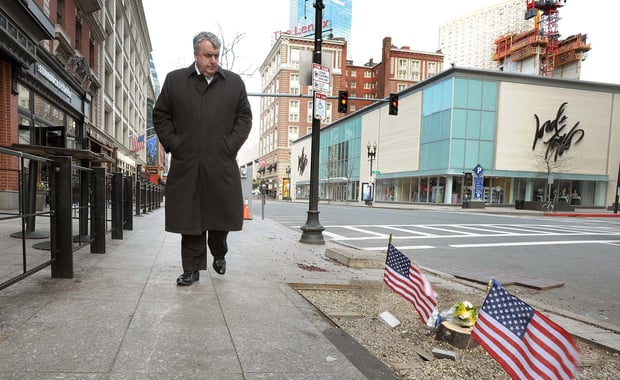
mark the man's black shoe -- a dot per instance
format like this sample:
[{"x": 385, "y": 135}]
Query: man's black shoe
[
  {"x": 185, "y": 279},
  {"x": 219, "y": 265}
]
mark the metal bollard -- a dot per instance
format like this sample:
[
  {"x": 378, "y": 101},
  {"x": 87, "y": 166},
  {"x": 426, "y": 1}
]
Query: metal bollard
[
  {"x": 98, "y": 223},
  {"x": 128, "y": 203},
  {"x": 61, "y": 239},
  {"x": 117, "y": 205}
]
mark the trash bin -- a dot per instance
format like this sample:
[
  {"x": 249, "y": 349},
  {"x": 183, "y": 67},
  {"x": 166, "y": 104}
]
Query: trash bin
[{"x": 519, "y": 203}]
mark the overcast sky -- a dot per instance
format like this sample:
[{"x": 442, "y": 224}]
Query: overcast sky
[{"x": 409, "y": 23}]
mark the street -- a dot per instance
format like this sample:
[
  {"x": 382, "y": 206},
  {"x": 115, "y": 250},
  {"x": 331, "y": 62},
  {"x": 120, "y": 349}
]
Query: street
[{"x": 580, "y": 253}]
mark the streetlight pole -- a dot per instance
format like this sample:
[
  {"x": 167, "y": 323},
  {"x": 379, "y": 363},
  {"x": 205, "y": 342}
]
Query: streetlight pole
[
  {"x": 313, "y": 230},
  {"x": 372, "y": 151}
]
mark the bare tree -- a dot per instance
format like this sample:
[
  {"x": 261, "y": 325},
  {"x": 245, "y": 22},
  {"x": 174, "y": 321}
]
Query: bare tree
[
  {"x": 550, "y": 165},
  {"x": 228, "y": 58}
]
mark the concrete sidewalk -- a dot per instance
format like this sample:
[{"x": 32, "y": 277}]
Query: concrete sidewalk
[{"x": 123, "y": 317}]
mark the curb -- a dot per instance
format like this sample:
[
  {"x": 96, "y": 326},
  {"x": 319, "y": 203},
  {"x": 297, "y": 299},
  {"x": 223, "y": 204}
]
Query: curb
[{"x": 582, "y": 215}]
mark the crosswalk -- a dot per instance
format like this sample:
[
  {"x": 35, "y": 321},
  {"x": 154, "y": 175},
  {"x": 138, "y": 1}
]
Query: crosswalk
[{"x": 423, "y": 236}]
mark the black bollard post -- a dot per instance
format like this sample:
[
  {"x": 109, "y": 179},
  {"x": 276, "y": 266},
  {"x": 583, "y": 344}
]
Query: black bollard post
[
  {"x": 128, "y": 191},
  {"x": 61, "y": 239},
  {"x": 98, "y": 222},
  {"x": 117, "y": 205}
]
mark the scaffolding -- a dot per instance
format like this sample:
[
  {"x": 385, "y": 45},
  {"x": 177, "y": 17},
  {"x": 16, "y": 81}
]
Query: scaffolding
[{"x": 542, "y": 43}]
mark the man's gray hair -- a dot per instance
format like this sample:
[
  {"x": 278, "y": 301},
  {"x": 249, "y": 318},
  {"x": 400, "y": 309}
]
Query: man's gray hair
[{"x": 206, "y": 36}]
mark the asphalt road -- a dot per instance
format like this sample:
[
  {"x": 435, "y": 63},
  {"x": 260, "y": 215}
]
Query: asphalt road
[{"x": 583, "y": 254}]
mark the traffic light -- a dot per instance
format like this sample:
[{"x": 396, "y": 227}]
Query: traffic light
[
  {"x": 343, "y": 101},
  {"x": 393, "y": 104}
]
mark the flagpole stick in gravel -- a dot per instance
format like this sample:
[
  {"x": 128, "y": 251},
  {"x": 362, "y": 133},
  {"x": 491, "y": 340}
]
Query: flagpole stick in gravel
[
  {"x": 383, "y": 282},
  {"x": 388, "y": 318},
  {"x": 489, "y": 284}
]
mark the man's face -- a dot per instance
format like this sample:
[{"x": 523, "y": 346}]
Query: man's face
[{"x": 207, "y": 58}]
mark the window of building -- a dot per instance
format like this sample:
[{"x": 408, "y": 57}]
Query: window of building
[
  {"x": 431, "y": 69},
  {"x": 78, "y": 34},
  {"x": 294, "y": 84},
  {"x": 354, "y": 73},
  {"x": 353, "y": 84},
  {"x": 293, "y": 110},
  {"x": 294, "y": 59},
  {"x": 367, "y": 74},
  {"x": 60, "y": 5},
  {"x": 293, "y": 133},
  {"x": 91, "y": 54},
  {"x": 415, "y": 70}
]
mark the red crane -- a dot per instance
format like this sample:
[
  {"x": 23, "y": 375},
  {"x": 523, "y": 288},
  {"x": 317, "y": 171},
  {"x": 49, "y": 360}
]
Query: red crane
[{"x": 546, "y": 27}]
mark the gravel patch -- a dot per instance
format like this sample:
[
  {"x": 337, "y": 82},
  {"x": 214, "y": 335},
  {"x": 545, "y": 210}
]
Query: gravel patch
[{"x": 408, "y": 347}]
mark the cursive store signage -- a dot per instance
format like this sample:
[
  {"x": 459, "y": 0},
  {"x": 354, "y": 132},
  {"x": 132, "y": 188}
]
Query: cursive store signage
[{"x": 556, "y": 135}]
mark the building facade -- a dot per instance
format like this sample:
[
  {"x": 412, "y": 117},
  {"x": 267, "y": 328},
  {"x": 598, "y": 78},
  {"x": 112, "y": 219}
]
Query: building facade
[
  {"x": 127, "y": 87},
  {"x": 469, "y": 40},
  {"x": 75, "y": 74},
  {"x": 286, "y": 72},
  {"x": 464, "y": 134}
]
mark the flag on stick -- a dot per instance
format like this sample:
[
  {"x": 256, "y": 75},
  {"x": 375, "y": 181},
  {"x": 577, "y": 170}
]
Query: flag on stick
[
  {"x": 408, "y": 281},
  {"x": 527, "y": 344}
]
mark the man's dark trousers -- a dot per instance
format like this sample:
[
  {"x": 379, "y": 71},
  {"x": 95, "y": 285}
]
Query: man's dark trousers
[{"x": 194, "y": 249}]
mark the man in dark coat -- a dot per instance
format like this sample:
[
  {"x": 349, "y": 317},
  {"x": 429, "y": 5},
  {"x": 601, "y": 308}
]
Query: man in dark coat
[{"x": 203, "y": 117}]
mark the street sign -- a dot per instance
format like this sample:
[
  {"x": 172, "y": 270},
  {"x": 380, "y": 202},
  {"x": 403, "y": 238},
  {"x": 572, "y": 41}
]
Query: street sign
[
  {"x": 320, "y": 78},
  {"x": 376, "y": 172},
  {"x": 320, "y": 73},
  {"x": 320, "y": 105},
  {"x": 478, "y": 170},
  {"x": 478, "y": 185}
]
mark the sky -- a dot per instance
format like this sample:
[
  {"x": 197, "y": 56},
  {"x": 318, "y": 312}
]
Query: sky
[
  {"x": 415, "y": 24},
  {"x": 408, "y": 23}
]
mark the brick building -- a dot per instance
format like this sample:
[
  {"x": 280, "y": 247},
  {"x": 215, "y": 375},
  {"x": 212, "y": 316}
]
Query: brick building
[
  {"x": 287, "y": 117},
  {"x": 75, "y": 74}
]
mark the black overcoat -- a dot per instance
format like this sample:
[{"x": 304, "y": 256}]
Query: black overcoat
[{"x": 203, "y": 127}]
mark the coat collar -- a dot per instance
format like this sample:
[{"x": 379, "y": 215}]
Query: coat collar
[{"x": 191, "y": 71}]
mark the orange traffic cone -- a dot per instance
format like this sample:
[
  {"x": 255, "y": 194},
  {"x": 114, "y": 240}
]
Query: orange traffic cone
[{"x": 246, "y": 210}]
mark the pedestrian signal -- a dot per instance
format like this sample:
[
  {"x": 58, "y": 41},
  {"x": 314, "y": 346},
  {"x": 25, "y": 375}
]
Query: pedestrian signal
[
  {"x": 343, "y": 101},
  {"x": 393, "y": 104}
]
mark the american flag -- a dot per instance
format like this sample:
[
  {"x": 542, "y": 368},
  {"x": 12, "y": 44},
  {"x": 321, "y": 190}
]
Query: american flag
[
  {"x": 408, "y": 281},
  {"x": 137, "y": 143},
  {"x": 527, "y": 344}
]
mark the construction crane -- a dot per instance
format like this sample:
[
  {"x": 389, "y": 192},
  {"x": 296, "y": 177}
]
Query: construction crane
[{"x": 547, "y": 27}]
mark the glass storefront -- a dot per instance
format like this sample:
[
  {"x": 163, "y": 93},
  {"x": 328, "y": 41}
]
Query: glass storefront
[
  {"x": 496, "y": 190},
  {"x": 42, "y": 123}
]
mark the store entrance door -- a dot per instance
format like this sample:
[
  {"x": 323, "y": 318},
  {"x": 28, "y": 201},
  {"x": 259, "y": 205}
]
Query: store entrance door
[{"x": 50, "y": 136}]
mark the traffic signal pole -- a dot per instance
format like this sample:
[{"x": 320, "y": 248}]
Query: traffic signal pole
[{"x": 313, "y": 230}]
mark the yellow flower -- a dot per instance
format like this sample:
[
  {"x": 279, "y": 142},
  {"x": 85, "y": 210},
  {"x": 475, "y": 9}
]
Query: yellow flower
[{"x": 464, "y": 313}]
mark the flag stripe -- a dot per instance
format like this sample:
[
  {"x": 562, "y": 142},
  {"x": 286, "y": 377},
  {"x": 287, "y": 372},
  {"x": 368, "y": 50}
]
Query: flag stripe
[
  {"x": 499, "y": 347},
  {"x": 526, "y": 343},
  {"x": 554, "y": 341},
  {"x": 426, "y": 295},
  {"x": 410, "y": 293},
  {"x": 408, "y": 281}
]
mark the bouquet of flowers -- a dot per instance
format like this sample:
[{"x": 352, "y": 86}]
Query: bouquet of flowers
[{"x": 464, "y": 313}]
